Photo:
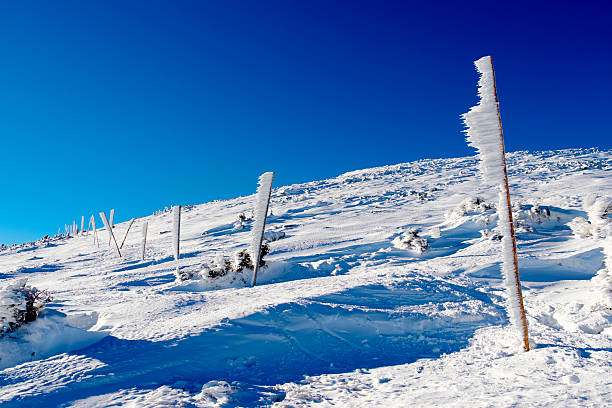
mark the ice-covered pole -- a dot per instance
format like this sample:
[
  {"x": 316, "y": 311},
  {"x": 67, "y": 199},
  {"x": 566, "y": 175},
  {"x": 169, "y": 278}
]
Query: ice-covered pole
[
  {"x": 262, "y": 202},
  {"x": 111, "y": 236},
  {"x": 111, "y": 219},
  {"x": 126, "y": 233},
  {"x": 92, "y": 221},
  {"x": 176, "y": 216},
  {"x": 484, "y": 132},
  {"x": 144, "y": 238},
  {"x": 82, "y": 224}
]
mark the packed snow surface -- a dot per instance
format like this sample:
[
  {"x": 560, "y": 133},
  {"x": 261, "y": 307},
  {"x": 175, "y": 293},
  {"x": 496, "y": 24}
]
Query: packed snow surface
[{"x": 350, "y": 310}]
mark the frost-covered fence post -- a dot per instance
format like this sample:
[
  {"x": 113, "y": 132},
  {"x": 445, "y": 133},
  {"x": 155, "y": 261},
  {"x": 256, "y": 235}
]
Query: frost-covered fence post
[
  {"x": 92, "y": 221},
  {"x": 88, "y": 227},
  {"x": 176, "y": 238},
  {"x": 110, "y": 222},
  {"x": 144, "y": 238},
  {"x": 82, "y": 224},
  {"x": 111, "y": 236},
  {"x": 126, "y": 233},
  {"x": 484, "y": 132},
  {"x": 262, "y": 202}
]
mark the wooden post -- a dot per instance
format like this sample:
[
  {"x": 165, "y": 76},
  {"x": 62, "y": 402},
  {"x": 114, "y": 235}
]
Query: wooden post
[
  {"x": 507, "y": 192},
  {"x": 144, "y": 238},
  {"x": 110, "y": 232},
  {"x": 82, "y": 223},
  {"x": 126, "y": 233}
]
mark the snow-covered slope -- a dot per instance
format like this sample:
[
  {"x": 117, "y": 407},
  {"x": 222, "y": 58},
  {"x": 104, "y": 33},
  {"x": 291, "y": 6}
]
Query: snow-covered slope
[{"x": 351, "y": 309}]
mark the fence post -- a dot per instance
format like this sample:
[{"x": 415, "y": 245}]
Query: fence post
[
  {"x": 144, "y": 238},
  {"x": 485, "y": 133},
  {"x": 262, "y": 202},
  {"x": 110, "y": 222},
  {"x": 176, "y": 216},
  {"x": 111, "y": 236},
  {"x": 126, "y": 233}
]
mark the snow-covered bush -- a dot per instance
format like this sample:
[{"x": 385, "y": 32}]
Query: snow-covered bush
[
  {"x": 493, "y": 235},
  {"x": 20, "y": 304},
  {"x": 538, "y": 213},
  {"x": 240, "y": 263},
  {"x": 411, "y": 240},
  {"x": 471, "y": 205},
  {"x": 243, "y": 221}
]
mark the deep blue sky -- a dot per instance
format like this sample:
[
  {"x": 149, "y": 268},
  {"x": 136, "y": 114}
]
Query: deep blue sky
[{"x": 139, "y": 105}]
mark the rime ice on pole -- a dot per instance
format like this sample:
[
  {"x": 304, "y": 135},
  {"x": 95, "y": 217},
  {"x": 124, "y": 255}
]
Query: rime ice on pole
[
  {"x": 111, "y": 236},
  {"x": 176, "y": 216},
  {"x": 261, "y": 212},
  {"x": 484, "y": 133},
  {"x": 144, "y": 239}
]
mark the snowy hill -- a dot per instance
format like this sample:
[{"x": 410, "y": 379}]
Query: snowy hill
[{"x": 354, "y": 307}]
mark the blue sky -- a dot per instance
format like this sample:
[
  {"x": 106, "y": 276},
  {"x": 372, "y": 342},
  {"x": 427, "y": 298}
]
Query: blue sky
[{"x": 140, "y": 105}]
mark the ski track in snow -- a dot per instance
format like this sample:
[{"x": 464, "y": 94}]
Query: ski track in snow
[{"x": 340, "y": 316}]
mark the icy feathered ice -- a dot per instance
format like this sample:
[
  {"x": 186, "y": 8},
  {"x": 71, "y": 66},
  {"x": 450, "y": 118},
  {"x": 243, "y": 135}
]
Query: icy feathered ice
[
  {"x": 261, "y": 211},
  {"x": 176, "y": 228},
  {"x": 485, "y": 134},
  {"x": 483, "y": 126}
]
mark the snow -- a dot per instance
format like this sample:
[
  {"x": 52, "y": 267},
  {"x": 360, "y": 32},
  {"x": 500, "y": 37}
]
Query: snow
[{"x": 340, "y": 315}]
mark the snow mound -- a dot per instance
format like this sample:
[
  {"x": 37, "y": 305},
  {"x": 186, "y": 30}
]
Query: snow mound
[{"x": 48, "y": 335}]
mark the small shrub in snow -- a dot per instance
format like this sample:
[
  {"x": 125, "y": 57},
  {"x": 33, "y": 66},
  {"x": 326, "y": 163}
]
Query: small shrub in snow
[
  {"x": 493, "y": 235},
  {"x": 220, "y": 267},
  {"x": 471, "y": 205},
  {"x": 20, "y": 304},
  {"x": 411, "y": 240},
  {"x": 539, "y": 213},
  {"x": 240, "y": 263},
  {"x": 243, "y": 221}
]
